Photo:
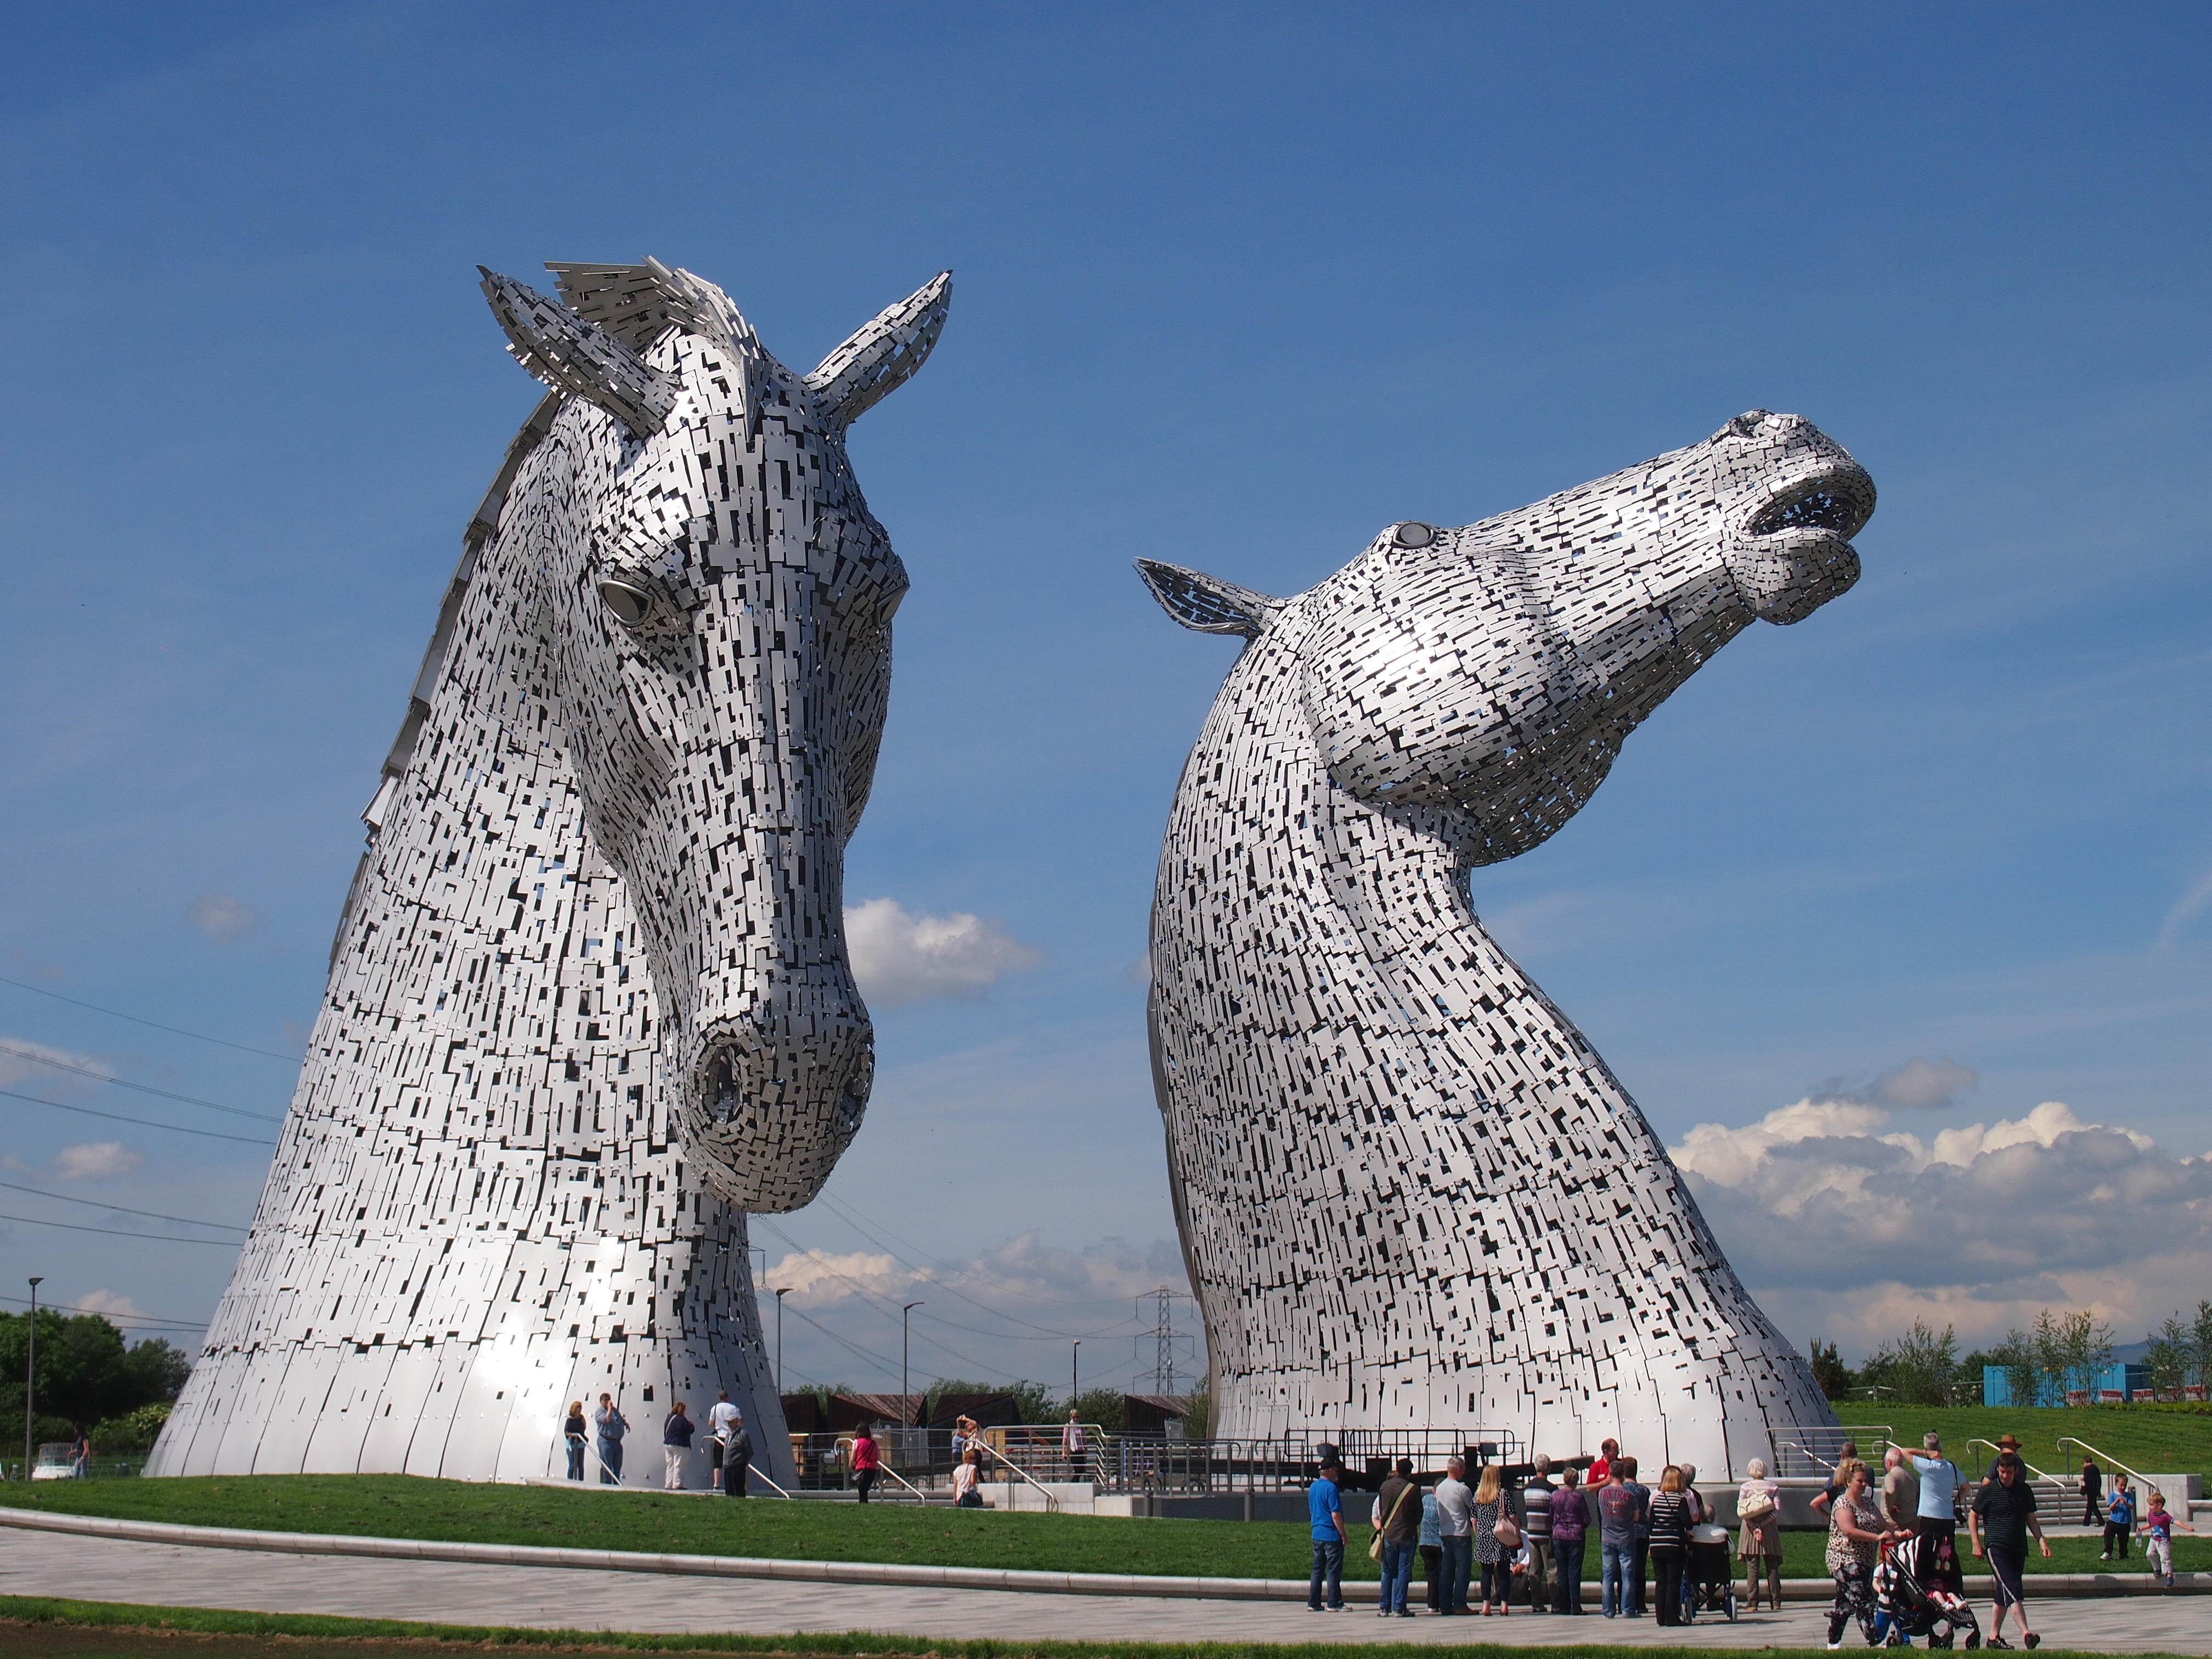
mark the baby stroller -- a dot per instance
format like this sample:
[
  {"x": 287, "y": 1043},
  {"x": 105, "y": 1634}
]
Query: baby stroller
[
  {"x": 1917, "y": 1608},
  {"x": 1711, "y": 1583}
]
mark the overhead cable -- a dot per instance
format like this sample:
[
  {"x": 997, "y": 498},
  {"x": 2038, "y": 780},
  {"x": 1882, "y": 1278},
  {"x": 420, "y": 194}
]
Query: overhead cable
[
  {"x": 174, "y": 1030},
  {"x": 34, "y": 1056},
  {"x": 123, "y": 1209},
  {"x": 142, "y": 1122}
]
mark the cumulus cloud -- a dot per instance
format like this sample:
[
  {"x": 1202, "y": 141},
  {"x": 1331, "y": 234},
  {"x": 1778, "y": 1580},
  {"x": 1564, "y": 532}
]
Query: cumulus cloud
[
  {"x": 1917, "y": 1083},
  {"x": 900, "y": 957},
  {"x": 110, "y": 1302},
  {"x": 95, "y": 1160},
  {"x": 223, "y": 917},
  {"x": 1024, "y": 1266},
  {"x": 1830, "y": 1214}
]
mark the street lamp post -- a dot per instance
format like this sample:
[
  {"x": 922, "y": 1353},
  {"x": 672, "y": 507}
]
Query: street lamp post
[
  {"x": 905, "y": 1399},
  {"x": 780, "y": 1295},
  {"x": 31, "y": 1376},
  {"x": 1074, "y": 1374}
]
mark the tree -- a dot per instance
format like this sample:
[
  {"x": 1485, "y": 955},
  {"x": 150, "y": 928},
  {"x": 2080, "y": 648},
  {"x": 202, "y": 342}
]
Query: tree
[
  {"x": 86, "y": 1373},
  {"x": 1829, "y": 1370},
  {"x": 2167, "y": 1357},
  {"x": 1200, "y": 1424},
  {"x": 2023, "y": 1367},
  {"x": 1917, "y": 1367},
  {"x": 2202, "y": 1334},
  {"x": 2081, "y": 1351}
]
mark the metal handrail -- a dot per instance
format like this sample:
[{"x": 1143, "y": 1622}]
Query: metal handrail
[
  {"x": 1807, "y": 1452},
  {"x": 1050, "y": 1502},
  {"x": 2111, "y": 1462},
  {"x": 918, "y": 1492}
]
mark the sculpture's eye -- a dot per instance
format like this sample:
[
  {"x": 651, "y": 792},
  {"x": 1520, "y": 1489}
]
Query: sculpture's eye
[
  {"x": 1413, "y": 534},
  {"x": 630, "y": 603}
]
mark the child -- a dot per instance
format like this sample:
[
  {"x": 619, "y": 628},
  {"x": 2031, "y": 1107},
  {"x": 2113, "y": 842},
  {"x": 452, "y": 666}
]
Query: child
[
  {"x": 2119, "y": 1519},
  {"x": 2158, "y": 1537}
]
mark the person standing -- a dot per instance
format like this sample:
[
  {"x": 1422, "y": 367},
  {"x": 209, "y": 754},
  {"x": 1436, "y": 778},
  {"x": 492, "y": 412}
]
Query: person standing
[
  {"x": 1758, "y": 1507},
  {"x": 1400, "y": 1526},
  {"x": 1325, "y": 1517},
  {"x": 1456, "y": 1529},
  {"x": 613, "y": 1427},
  {"x": 576, "y": 1433},
  {"x": 737, "y": 1458},
  {"x": 1936, "y": 1521},
  {"x": 2003, "y": 1518},
  {"x": 2158, "y": 1538},
  {"x": 1432, "y": 1550},
  {"x": 1569, "y": 1530},
  {"x": 1901, "y": 1490},
  {"x": 675, "y": 1448},
  {"x": 2119, "y": 1519},
  {"x": 1670, "y": 1542},
  {"x": 721, "y": 1422},
  {"x": 1071, "y": 1445},
  {"x": 2093, "y": 1492},
  {"x": 866, "y": 1461},
  {"x": 1600, "y": 1468},
  {"x": 1536, "y": 1527},
  {"x": 1855, "y": 1534},
  {"x": 1640, "y": 1555},
  {"x": 1492, "y": 1559},
  {"x": 1617, "y": 1514}
]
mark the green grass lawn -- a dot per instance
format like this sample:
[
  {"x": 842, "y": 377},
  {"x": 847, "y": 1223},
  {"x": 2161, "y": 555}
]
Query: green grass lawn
[
  {"x": 47, "y": 1629},
  {"x": 403, "y": 1506}
]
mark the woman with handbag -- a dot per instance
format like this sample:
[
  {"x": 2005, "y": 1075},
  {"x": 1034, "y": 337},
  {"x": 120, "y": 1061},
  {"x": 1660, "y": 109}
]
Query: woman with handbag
[
  {"x": 1757, "y": 1506},
  {"x": 1493, "y": 1525}
]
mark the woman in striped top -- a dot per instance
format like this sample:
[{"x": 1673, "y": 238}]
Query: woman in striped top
[{"x": 1670, "y": 1542}]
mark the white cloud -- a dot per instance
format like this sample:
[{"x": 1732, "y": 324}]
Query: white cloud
[
  {"x": 1847, "y": 1228},
  {"x": 109, "y": 1302},
  {"x": 899, "y": 958},
  {"x": 95, "y": 1160},
  {"x": 223, "y": 917},
  {"x": 1925, "y": 1083},
  {"x": 15, "y": 1068}
]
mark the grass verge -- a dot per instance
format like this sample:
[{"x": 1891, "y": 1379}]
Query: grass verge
[
  {"x": 406, "y": 1506},
  {"x": 39, "y": 1626}
]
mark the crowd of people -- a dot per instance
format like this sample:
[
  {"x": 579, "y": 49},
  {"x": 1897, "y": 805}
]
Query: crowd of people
[
  {"x": 1485, "y": 1548},
  {"x": 601, "y": 1435}
]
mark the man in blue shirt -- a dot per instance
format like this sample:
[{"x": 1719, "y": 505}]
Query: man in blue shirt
[
  {"x": 1937, "y": 1522},
  {"x": 1325, "y": 1508}
]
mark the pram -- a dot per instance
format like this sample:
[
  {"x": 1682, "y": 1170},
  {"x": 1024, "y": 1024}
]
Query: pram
[
  {"x": 1709, "y": 1581},
  {"x": 1915, "y": 1607}
]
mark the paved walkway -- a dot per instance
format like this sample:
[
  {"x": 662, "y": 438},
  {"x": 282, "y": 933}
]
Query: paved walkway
[{"x": 107, "y": 1570}]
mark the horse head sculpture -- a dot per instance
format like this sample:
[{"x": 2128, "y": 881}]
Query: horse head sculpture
[
  {"x": 719, "y": 600},
  {"x": 1411, "y": 1194}
]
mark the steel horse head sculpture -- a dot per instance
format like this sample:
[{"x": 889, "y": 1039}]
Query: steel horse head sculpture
[
  {"x": 589, "y": 1000},
  {"x": 1411, "y": 1194}
]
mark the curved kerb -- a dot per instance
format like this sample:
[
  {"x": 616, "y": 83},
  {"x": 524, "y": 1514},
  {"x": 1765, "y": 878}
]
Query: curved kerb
[{"x": 2052, "y": 1585}]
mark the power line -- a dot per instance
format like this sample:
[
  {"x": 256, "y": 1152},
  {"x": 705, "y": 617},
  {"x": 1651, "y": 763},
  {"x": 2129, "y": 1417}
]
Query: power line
[
  {"x": 102, "y": 1313},
  {"x": 93, "y": 1203},
  {"x": 125, "y": 1083},
  {"x": 142, "y": 1122},
  {"x": 116, "y": 1232},
  {"x": 174, "y": 1030}
]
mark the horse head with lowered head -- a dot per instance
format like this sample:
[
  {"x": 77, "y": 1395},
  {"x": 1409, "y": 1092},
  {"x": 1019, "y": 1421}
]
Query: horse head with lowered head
[{"x": 719, "y": 600}]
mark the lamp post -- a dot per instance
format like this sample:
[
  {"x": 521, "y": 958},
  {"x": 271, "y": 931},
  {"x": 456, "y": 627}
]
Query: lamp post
[
  {"x": 1074, "y": 1374},
  {"x": 905, "y": 1399},
  {"x": 31, "y": 1375},
  {"x": 780, "y": 1295}
]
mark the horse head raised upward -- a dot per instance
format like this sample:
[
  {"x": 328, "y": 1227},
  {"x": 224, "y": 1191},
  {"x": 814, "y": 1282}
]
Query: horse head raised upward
[
  {"x": 1411, "y": 1194},
  {"x": 719, "y": 602}
]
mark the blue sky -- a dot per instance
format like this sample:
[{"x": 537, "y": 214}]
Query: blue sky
[{"x": 1234, "y": 287}]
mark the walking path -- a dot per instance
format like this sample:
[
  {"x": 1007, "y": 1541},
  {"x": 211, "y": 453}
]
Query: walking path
[{"x": 116, "y": 1570}]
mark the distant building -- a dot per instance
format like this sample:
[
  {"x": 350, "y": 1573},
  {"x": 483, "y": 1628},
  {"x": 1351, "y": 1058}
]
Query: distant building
[
  {"x": 2115, "y": 1385},
  {"x": 1155, "y": 1413}
]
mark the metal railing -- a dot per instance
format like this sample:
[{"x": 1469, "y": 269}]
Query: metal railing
[
  {"x": 1818, "y": 1449},
  {"x": 988, "y": 1450},
  {"x": 2108, "y": 1460}
]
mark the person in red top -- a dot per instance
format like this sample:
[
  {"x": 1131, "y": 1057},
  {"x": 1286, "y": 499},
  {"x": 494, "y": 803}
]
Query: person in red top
[
  {"x": 1600, "y": 1468},
  {"x": 866, "y": 1462}
]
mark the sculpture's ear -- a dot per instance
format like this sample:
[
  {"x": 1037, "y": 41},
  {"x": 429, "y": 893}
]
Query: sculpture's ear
[
  {"x": 1209, "y": 605},
  {"x": 574, "y": 356},
  {"x": 883, "y": 356}
]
